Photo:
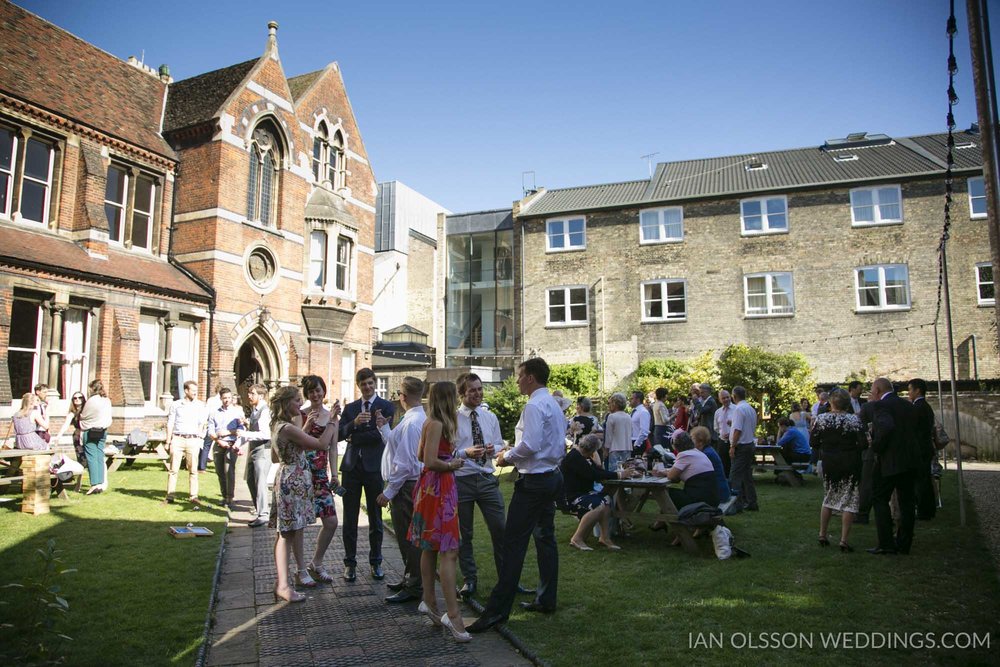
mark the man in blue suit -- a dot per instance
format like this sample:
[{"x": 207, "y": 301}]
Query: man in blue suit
[{"x": 361, "y": 469}]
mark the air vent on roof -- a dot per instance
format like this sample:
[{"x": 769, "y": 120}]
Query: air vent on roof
[
  {"x": 857, "y": 140},
  {"x": 756, "y": 164},
  {"x": 964, "y": 144},
  {"x": 845, "y": 157}
]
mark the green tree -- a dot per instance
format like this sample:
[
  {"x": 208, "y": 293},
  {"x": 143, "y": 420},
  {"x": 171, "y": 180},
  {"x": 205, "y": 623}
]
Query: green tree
[
  {"x": 574, "y": 380},
  {"x": 675, "y": 375},
  {"x": 506, "y": 402},
  {"x": 785, "y": 378}
]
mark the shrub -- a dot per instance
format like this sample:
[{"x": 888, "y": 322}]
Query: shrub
[
  {"x": 675, "y": 375},
  {"x": 574, "y": 380},
  {"x": 506, "y": 402},
  {"x": 785, "y": 378}
]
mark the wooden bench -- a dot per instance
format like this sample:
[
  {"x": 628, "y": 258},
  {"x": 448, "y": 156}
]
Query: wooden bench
[
  {"x": 628, "y": 507},
  {"x": 789, "y": 473},
  {"x": 35, "y": 478}
]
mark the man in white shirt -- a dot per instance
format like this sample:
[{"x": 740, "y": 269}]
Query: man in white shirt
[
  {"x": 211, "y": 405},
  {"x": 540, "y": 443},
  {"x": 401, "y": 469},
  {"x": 476, "y": 441},
  {"x": 742, "y": 445},
  {"x": 723, "y": 425},
  {"x": 640, "y": 422},
  {"x": 185, "y": 433},
  {"x": 223, "y": 427},
  {"x": 257, "y": 436}
]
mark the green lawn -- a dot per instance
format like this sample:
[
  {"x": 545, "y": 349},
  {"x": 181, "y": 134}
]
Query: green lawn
[
  {"x": 139, "y": 596},
  {"x": 642, "y": 605}
]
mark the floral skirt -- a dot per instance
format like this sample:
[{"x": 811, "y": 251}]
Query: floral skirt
[
  {"x": 435, "y": 512},
  {"x": 841, "y": 495},
  {"x": 292, "y": 506}
]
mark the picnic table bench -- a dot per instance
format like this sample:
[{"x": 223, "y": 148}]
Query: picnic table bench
[
  {"x": 35, "y": 478},
  {"x": 791, "y": 473},
  {"x": 631, "y": 496},
  {"x": 128, "y": 453}
]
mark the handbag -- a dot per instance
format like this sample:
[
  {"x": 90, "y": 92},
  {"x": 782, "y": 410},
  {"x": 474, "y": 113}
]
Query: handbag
[{"x": 940, "y": 436}]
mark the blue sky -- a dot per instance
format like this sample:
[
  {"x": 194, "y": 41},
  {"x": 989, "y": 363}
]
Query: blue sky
[{"x": 457, "y": 99}]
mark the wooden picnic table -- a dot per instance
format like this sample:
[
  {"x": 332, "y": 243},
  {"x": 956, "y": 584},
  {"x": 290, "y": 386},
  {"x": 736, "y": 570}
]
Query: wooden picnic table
[
  {"x": 129, "y": 456},
  {"x": 33, "y": 466},
  {"x": 631, "y": 496},
  {"x": 778, "y": 464}
]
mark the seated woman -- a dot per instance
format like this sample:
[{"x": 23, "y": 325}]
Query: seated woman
[
  {"x": 694, "y": 469},
  {"x": 702, "y": 438},
  {"x": 25, "y": 424},
  {"x": 794, "y": 444},
  {"x": 581, "y": 468}
]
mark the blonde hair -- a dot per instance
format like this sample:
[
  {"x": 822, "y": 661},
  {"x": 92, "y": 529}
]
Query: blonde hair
[
  {"x": 279, "y": 404},
  {"x": 701, "y": 435},
  {"x": 28, "y": 401},
  {"x": 443, "y": 404}
]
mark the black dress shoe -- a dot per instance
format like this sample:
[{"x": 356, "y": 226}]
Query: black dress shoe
[
  {"x": 402, "y": 596},
  {"x": 468, "y": 590},
  {"x": 879, "y": 551},
  {"x": 534, "y": 606},
  {"x": 484, "y": 623},
  {"x": 350, "y": 573},
  {"x": 525, "y": 591},
  {"x": 395, "y": 588},
  {"x": 377, "y": 573}
]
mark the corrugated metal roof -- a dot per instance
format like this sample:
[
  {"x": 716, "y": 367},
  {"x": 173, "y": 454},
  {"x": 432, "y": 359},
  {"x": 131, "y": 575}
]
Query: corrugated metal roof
[
  {"x": 479, "y": 221},
  {"x": 768, "y": 171}
]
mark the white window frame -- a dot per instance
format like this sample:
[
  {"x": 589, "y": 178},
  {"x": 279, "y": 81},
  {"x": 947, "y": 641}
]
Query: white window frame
[
  {"x": 769, "y": 293},
  {"x": 882, "y": 307},
  {"x": 350, "y": 269},
  {"x": 73, "y": 363},
  {"x": 151, "y": 214},
  {"x": 47, "y": 201},
  {"x": 877, "y": 207},
  {"x": 661, "y": 225},
  {"x": 150, "y": 323},
  {"x": 565, "y": 234},
  {"x": 192, "y": 355},
  {"x": 567, "y": 306},
  {"x": 382, "y": 387},
  {"x": 14, "y": 147},
  {"x": 664, "y": 299},
  {"x": 322, "y": 261},
  {"x": 765, "y": 217},
  {"x": 972, "y": 213},
  {"x": 122, "y": 206},
  {"x": 979, "y": 285}
]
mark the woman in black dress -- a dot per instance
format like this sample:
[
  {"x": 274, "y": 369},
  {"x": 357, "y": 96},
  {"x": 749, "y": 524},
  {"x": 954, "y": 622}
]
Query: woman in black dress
[
  {"x": 839, "y": 438},
  {"x": 581, "y": 468}
]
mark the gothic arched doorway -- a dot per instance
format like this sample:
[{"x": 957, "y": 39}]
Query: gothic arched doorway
[{"x": 257, "y": 362}]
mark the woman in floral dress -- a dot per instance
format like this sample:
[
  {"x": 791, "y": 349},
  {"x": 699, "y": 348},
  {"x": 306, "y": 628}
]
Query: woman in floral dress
[
  {"x": 293, "y": 490},
  {"x": 323, "y": 466},
  {"x": 434, "y": 527}
]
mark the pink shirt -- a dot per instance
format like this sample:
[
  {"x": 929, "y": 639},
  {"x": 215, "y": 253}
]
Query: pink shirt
[{"x": 692, "y": 462}]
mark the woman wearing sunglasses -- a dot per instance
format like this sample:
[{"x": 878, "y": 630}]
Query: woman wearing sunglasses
[{"x": 76, "y": 403}]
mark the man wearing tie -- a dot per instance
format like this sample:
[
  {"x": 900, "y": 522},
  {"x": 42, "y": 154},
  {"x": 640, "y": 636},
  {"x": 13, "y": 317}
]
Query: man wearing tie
[
  {"x": 361, "y": 469},
  {"x": 539, "y": 448}
]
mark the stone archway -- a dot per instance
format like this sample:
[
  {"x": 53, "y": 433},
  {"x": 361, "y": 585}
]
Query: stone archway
[{"x": 258, "y": 361}]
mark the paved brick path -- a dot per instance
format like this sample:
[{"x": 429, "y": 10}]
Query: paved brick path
[{"x": 339, "y": 624}]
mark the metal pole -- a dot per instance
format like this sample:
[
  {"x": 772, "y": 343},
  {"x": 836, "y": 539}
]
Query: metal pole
[
  {"x": 954, "y": 391},
  {"x": 940, "y": 391}
]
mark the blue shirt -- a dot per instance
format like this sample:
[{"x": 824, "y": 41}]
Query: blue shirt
[
  {"x": 720, "y": 473},
  {"x": 795, "y": 439}
]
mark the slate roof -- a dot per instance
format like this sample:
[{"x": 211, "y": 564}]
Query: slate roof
[
  {"x": 198, "y": 99},
  {"x": 298, "y": 85},
  {"x": 785, "y": 170},
  {"x": 47, "y": 66},
  {"x": 50, "y": 253}
]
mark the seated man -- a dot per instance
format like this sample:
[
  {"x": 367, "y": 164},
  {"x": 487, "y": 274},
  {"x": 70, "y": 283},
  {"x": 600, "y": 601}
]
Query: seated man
[{"x": 794, "y": 444}]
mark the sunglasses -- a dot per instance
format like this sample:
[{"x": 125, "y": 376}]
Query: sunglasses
[{"x": 78, "y": 398}]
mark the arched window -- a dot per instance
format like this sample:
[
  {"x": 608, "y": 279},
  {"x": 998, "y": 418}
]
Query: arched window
[
  {"x": 265, "y": 159},
  {"x": 328, "y": 157}
]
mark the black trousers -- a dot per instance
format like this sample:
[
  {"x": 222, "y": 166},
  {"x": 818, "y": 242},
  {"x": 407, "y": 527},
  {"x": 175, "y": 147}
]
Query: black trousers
[
  {"x": 867, "y": 489},
  {"x": 926, "y": 498},
  {"x": 903, "y": 485},
  {"x": 532, "y": 510},
  {"x": 354, "y": 482},
  {"x": 401, "y": 510}
]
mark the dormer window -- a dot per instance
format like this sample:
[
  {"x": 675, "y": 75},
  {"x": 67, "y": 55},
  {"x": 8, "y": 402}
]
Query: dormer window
[
  {"x": 265, "y": 160},
  {"x": 328, "y": 158}
]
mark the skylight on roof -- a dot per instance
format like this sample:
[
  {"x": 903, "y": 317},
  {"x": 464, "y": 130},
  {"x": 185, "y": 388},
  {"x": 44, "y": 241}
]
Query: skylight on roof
[
  {"x": 845, "y": 157},
  {"x": 964, "y": 144},
  {"x": 756, "y": 164}
]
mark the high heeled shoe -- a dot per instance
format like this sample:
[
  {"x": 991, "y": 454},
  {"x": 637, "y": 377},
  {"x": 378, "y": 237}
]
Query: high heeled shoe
[
  {"x": 293, "y": 596},
  {"x": 846, "y": 548},
  {"x": 426, "y": 611},
  {"x": 824, "y": 540},
  {"x": 459, "y": 635}
]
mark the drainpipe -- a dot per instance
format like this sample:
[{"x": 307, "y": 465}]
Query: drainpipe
[{"x": 200, "y": 282}]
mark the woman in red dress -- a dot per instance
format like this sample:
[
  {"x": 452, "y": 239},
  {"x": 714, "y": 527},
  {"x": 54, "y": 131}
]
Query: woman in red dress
[{"x": 434, "y": 527}]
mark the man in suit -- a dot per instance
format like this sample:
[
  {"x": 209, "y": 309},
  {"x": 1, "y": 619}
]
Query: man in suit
[
  {"x": 926, "y": 498},
  {"x": 866, "y": 488},
  {"x": 897, "y": 458},
  {"x": 361, "y": 469},
  {"x": 854, "y": 389},
  {"x": 539, "y": 446}
]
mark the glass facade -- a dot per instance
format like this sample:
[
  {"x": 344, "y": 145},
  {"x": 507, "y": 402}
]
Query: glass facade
[{"x": 480, "y": 299}]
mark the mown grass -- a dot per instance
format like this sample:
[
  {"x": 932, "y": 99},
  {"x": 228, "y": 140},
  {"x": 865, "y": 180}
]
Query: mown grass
[
  {"x": 139, "y": 596},
  {"x": 646, "y": 604}
]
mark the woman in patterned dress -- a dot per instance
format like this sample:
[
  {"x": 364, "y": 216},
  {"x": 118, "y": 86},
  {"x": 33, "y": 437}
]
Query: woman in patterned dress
[
  {"x": 323, "y": 466},
  {"x": 839, "y": 438},
  {"x": 434, "y": 527},
  {"x": 293, "y": 491}
]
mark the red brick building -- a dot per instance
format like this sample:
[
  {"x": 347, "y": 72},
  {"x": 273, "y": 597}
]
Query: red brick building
[{"x": 219, "y": 228}]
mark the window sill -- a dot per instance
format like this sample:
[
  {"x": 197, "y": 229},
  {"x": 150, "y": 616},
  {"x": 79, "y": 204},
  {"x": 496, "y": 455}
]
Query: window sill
[
  {"x": 768, "y": 316},
  {"x": 863, "y": 225},
  {"x": 264, "y": 228},
  {"x": 671, "y": 320},
  {"x": 767, "y": 232},
  {"x": 978, "y": 216},
  {"x": 661, "y": 241},
  {"x": 569, "y": 325},
  {"x": 987, "y": 304},
  {"x": 867, "y": 311},
  {"x": 560, "y": 250}
]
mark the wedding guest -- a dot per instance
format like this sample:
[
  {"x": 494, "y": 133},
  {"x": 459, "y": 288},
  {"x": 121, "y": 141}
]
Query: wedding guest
[
  {"x": 581, "y": 470},
  {"x": 794, "y": 444},
  {"x": 680, "y": 414},
  {"x": 25, "y": 423},
  {"x": 223, "y": 429},
  {"x": 702, "y": 438},
  {"x": 257, "y": 437},
  {"x": 661, "y": 418},
  {"x": 617, "y": 431},
  {"x": 95, "y": 420},
  {"x": 696, "y": 471},
  {"x": 434, "y": 527},
  {"x": 186, "y": 431},
  {"x": 293, "y": 505},
  {"x": 839, "y": 439},
  {"x": 76, "y": 404},
  {"x": 584, "y": 422},
  {"x": 42, "y": 392},
  {"x": 323, "y": 469}
]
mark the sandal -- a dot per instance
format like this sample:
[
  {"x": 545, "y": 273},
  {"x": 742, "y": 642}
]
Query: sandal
[
  {"x": 581, "y": 547},
  {"x": 303, "y": 579},
  {"x": 612, "y": 547},
  {"x": 824, "y": 540},
  {"x": 293, "y": 596},
  {"x": 319, "y": 573}
]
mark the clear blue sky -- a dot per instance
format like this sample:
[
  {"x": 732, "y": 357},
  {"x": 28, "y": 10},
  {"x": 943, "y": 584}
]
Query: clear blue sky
[{"x": 457, "y": 99}]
